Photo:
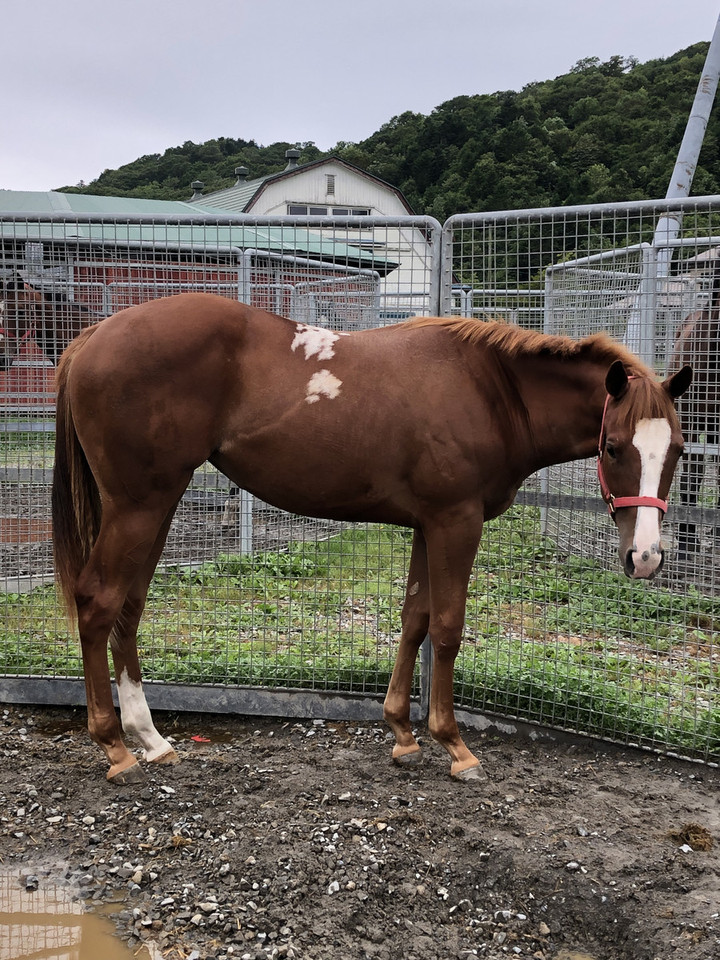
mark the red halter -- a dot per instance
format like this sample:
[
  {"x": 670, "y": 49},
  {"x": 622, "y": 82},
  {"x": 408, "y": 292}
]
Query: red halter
[{"x": 616, "y": 503}]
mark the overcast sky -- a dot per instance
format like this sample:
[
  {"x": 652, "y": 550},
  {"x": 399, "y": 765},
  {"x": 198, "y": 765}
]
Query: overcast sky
[{"x": 89, "y": 85}]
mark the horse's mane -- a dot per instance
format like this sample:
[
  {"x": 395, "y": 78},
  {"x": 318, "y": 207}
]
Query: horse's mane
[{"x": 514, "y": 341}]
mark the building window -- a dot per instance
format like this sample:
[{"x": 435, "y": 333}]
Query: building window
[
  {"x": 303, "y": 209},
  {"x": 330, "y": 184}
]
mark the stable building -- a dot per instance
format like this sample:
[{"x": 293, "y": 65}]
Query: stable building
[{"x": 333, "y": 188}]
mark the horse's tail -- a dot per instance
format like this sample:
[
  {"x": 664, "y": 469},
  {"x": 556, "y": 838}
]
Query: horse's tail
[{"x": 75, "y": 497}]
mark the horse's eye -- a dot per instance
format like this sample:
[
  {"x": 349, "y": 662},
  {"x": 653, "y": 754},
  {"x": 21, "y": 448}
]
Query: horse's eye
[{"x": 611, "y": 451}]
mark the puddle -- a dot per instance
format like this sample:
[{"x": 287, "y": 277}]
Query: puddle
[{"x": 50, "y": 923}]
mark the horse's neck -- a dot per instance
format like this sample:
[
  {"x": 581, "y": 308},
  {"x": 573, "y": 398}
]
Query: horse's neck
[{"x": 564, "y": 403}]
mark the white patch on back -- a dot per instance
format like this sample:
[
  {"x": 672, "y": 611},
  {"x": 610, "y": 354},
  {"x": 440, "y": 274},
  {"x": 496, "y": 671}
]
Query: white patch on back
[
  {"x": 136, "y": 718},
  {"x": 322, "y": 384},
  {"x": 315, "y": 341},
  {"x": 652, "y": 440}
]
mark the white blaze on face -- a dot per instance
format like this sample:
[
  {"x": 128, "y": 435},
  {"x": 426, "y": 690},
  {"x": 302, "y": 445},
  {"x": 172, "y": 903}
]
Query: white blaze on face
[
  {"x": 136, "y": 718},
  {"x": 322, "y": 384},
  {"x": 652, "y": 440},
  {"x": 315, "y": 341}
]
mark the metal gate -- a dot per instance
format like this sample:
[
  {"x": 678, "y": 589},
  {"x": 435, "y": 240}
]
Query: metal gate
[
  {"x": 558, "y": 635},
  {"x": 253, "y": 610}
]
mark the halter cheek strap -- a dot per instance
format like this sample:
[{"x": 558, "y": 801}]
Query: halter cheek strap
[{"x": 617, "y": 503}]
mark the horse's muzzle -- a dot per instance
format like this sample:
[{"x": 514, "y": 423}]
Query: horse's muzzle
[{"x": 645, "y": 565}]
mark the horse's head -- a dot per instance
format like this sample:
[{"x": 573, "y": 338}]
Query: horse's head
[
  {"x": 639, "y": 448},
  {"x": 20, "y": 303}
]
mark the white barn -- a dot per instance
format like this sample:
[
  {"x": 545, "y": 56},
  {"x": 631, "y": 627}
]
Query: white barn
[{"x": 332, "y": 187}]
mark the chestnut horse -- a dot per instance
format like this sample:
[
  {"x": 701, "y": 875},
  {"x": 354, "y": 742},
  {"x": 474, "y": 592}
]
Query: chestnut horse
[
  {"x": 698, "y": 343},
  {"x": 432, "y": 424},
  {"x": 48, "y": 318}
]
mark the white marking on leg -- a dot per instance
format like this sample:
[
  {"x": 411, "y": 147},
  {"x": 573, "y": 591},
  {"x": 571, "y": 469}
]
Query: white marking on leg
[
  {"x": 652, "y": 440},
  {"x": 322, "y": 384},
  {"x": 315, "y": 341},
  {"x": 136, "y": 718}
]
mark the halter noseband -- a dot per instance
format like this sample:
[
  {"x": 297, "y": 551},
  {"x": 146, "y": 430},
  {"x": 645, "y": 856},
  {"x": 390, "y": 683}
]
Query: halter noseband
[{"x": 617, "y": 503}]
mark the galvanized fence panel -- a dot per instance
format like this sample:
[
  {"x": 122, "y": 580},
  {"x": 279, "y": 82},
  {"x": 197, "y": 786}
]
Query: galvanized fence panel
[
  {"x": 556, "y": 634},
  {"x": 249, "y": 602},
  {"x": 254, "y": 610}
]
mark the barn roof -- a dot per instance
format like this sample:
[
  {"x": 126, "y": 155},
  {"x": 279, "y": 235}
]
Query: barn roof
[
  {"x": 52, "y": 201},
  {"x": 27, "y": 215}
]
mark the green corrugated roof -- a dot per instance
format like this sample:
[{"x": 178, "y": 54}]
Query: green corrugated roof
[
  {"x": 205, "y": 234},
  {"x": 26, "y": 201},
  {"x": 232, "y": 199}
]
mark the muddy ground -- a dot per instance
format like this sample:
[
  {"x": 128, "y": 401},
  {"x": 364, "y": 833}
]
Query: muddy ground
[{"x": 276, "y": 838}]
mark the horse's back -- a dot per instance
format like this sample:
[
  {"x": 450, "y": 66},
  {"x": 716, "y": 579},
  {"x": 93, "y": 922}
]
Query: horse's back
[
  {"x": 304, "y": 417},
  {"x": 155, "y": 382}
]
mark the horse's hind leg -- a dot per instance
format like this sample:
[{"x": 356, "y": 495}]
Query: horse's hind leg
[
  {"x": 135, "y": 715},
  {"x": 123, "y": 547},
  {"x": 415, "y": 620}
]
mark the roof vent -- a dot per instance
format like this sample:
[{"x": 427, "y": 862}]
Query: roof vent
[
  {"x": 292, "y": 159},
  {"x": 242, "y": 174},
  {"x": 197, "y": 189}
]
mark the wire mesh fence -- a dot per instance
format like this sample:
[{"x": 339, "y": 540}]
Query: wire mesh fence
[
  {"x": 555, "y": 632},
  {"x": 245, "y": 594},
  {"x": 249, "y": 597}
]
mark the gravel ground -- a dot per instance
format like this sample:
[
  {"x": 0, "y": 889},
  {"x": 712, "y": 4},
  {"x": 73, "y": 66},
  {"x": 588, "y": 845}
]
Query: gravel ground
[{"x": 274, "y": 838}]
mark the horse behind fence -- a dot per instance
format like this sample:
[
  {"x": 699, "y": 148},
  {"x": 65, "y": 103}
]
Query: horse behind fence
[
  {"x": 47, "y": 317},
  {"x": 698, "y": 343}
]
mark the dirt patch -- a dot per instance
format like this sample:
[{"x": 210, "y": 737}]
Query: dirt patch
[{"x": 277, "y": 838}]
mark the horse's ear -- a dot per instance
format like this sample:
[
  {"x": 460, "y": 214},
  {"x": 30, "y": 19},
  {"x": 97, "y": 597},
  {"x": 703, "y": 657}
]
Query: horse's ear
[
  {"x": 616, "y": 381},
  {"x": 679, "y": 382}
]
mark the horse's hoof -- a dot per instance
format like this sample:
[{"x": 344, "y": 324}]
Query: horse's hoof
[
  {"x": 168, "y": 758},
  {"x": 475, "y": 772},
  {"x": 131, "y": 774},
  {"x": 409, "y": 760}
]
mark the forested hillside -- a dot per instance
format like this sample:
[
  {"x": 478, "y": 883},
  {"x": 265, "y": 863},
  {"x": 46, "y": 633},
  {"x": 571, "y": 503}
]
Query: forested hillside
[{"x": 602, "y": 132}]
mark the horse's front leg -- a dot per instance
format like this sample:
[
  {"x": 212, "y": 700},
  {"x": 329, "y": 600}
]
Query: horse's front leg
[
  {"x": 452, "y": 546},
  {"x": 415, "y": 621}
]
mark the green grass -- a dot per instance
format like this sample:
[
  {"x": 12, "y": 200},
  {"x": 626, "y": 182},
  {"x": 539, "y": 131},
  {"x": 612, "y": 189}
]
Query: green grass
[
  {"x": 559, "y": 641},
  {"x": 26, "y": 448}
]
